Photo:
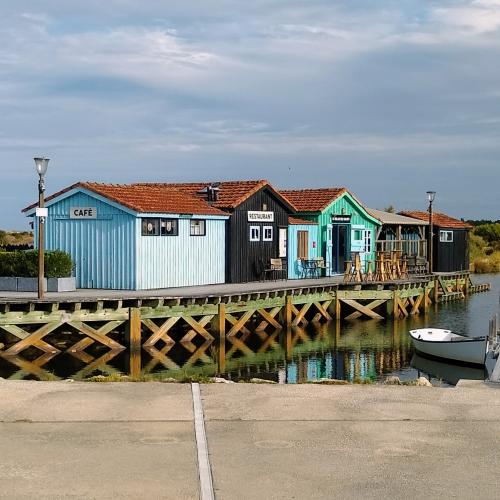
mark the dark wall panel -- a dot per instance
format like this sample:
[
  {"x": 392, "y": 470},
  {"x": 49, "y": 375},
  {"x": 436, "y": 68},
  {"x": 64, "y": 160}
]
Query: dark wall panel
[
  {"x": 247, "y": 258},
  {"x": 452, "y": 256}
]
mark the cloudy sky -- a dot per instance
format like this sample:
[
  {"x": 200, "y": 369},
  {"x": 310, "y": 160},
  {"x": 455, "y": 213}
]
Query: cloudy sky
[{"x": 389, "y": 98}]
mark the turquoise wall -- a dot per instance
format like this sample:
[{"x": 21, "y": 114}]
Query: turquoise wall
[
  {"x": 360, "y": 219},
  {"x": 294, "y": 267}
]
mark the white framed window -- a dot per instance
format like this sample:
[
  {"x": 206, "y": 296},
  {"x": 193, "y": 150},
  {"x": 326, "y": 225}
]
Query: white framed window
[
  {"x": 446, "y": 236},
  {"x": 254, "y": 233},
  {"x": 367, "y": 241},
  {"x": 267, "y": 233},
  {"x": 197, "y": 227}
]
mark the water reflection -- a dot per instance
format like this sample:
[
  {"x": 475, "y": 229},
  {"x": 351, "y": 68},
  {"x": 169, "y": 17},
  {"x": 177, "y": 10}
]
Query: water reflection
[
  {"x": 362, "y": 349},
  {"x": 448, "y": 372}
]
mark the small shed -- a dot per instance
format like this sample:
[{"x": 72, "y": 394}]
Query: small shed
[
  {"x": 450, "y": 243},
  {"x": 302, "y": 246},
  {"x": 136, "y": 237},
  {"x": 257, "y": 228},
  {"x": 344, "y": 224},
  {"x": 400, "y": 233}
]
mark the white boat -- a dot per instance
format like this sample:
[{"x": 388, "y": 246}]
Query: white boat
[{"x": 448, "y": 345}]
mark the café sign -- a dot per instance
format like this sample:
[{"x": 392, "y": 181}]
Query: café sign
[
  {"x": 259, "y": 216},
  {"x": 83, "y": 213}
]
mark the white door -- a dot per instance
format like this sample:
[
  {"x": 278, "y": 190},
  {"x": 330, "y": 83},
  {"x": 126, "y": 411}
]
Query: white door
[
  {"x": 282, "y": 241},
  {"x": 329, "y": 249}
]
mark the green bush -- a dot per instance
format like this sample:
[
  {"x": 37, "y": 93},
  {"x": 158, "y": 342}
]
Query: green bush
[{"x": 58, "y": 264}]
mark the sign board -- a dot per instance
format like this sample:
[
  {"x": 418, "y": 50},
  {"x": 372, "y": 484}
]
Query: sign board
[
  {"x": 258, "y": 216},
  {"x": 83, "y": 213},
  {"x": 341, "y": 218},
  {"x": 42, "y": 212}
]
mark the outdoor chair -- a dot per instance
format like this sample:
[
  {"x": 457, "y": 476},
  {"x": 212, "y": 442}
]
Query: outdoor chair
[{"x": 275, "y": 268}]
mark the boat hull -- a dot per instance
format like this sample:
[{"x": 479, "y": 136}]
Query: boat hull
[{"x": 464, "y": 350}]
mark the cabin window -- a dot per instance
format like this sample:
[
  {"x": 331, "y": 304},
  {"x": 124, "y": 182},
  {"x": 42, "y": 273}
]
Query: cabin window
[
  {"x": 267, "y": 233},
  {"x": 169, "y": 227},
  {"x": 446, "y": 236},
  {"x": 254, "y": 233},
  {"x": 357, "y": 234},
  {"x": 150, "y": 227},
  {"x": 197, "y": 227},
  {"x": 303, "y": 245},
  {"x": 367, "y": 241}
]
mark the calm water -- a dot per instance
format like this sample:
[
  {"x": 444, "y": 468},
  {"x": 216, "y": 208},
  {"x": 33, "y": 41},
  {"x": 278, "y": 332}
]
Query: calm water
[{"x": 362, "y": 349}]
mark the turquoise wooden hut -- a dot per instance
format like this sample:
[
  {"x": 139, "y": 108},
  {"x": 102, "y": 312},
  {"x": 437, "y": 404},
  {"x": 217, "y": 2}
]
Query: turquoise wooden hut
[
  {"x": 136, "y": 236},
  {"x": 302, "y": 246},
  {"x": 344, "y": 225}
]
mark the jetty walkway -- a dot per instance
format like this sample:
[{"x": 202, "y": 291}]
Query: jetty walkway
[
  {"x": 217, "y": 318},
  {"x": 137, "y": 440}
]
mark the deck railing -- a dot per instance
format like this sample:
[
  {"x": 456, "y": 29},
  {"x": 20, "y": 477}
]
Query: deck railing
[{"x": 417, "y": 248}]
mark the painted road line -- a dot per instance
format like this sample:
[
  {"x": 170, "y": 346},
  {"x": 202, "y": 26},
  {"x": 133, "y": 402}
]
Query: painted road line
[{"x": 204, "y": 468}]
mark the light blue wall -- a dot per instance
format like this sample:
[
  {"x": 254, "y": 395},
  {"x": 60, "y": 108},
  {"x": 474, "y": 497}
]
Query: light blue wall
[
  {"x": 294, "y": 267},
  {"x": 102, "y": 249},
  {"x": 183, "y": 260}
]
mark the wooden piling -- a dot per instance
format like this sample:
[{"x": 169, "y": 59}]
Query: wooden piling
[
  {"x": 134, "y": 328},
  {"x": 221, "y": 332}
]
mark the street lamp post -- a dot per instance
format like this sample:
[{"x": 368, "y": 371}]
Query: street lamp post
[
  {"x": 41, "y": 168},
  {"x": 430, "y": 196}
]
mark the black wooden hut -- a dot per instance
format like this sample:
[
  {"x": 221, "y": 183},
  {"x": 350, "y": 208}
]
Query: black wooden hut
[
  {"x": 450, "y": 242},
  {"x": 257, "y": 229}
]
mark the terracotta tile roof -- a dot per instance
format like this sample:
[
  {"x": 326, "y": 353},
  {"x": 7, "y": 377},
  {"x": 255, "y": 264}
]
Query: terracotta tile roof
[
  {"x": 438, "y": 219},
  {"x": 312, "y": 200},
  {"x": 153, "y": 198},
  {"x": 295, "y": 221},
  {"x": 231, "y": 194}
]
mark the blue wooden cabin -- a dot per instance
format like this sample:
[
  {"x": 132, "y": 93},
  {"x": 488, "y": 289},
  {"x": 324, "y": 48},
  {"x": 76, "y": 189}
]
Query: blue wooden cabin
[
  {"x": 136, "y": 237},
  {"x": 303, "y": 246}
]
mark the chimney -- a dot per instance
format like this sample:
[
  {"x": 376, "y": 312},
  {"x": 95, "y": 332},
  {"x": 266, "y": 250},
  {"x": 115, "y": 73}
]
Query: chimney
[{"x": 211, "y": 192}]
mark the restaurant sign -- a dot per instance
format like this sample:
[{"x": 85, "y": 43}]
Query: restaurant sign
[
  {"x": 258, "y": 216},
  {"x": 83, "y": 213},
  {"x": 345, "y": 218}
]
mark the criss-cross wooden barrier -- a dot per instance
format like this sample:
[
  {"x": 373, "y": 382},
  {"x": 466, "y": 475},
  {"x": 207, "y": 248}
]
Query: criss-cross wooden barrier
[{"x": 219, "y": 327}]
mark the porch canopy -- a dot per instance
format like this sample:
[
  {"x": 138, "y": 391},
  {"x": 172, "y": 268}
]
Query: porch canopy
[{"x": 398, "y": 232}]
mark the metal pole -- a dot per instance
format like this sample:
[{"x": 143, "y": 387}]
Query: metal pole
[
  {"x": 41, "y": 243},
  {"x": 431, "y": 268}
]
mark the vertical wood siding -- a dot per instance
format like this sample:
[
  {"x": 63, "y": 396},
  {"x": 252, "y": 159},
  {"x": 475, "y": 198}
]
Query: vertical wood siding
[
  {"x": 294, "y": 267},
  {"x": 358, "y": 218},
  {"x": 452, "y": 256},
  {"x": 102, "y": 249},
  {"x": 246, "y": 258},
  {"x": 183, "y": 260}
]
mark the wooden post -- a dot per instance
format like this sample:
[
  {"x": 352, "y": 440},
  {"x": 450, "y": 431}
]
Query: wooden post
[
  {"x": 426, "y": 298},
  {"x": 436, "y": 290},
  {"x": 221, "y": 332},
  {"x": 395, "y": 304},
  {"x": 337, "y": 307},
  {"x": 288, "y": 311},
  {"x": 134, "y": 328}
]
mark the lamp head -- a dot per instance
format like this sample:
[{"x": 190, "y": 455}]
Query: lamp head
[
  {"x": 431, "y": 195},
  {"x": 41, "y": 165}
]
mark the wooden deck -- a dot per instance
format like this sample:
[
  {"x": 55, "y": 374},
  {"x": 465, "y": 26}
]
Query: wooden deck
[{"x": 220, "y": 317}]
